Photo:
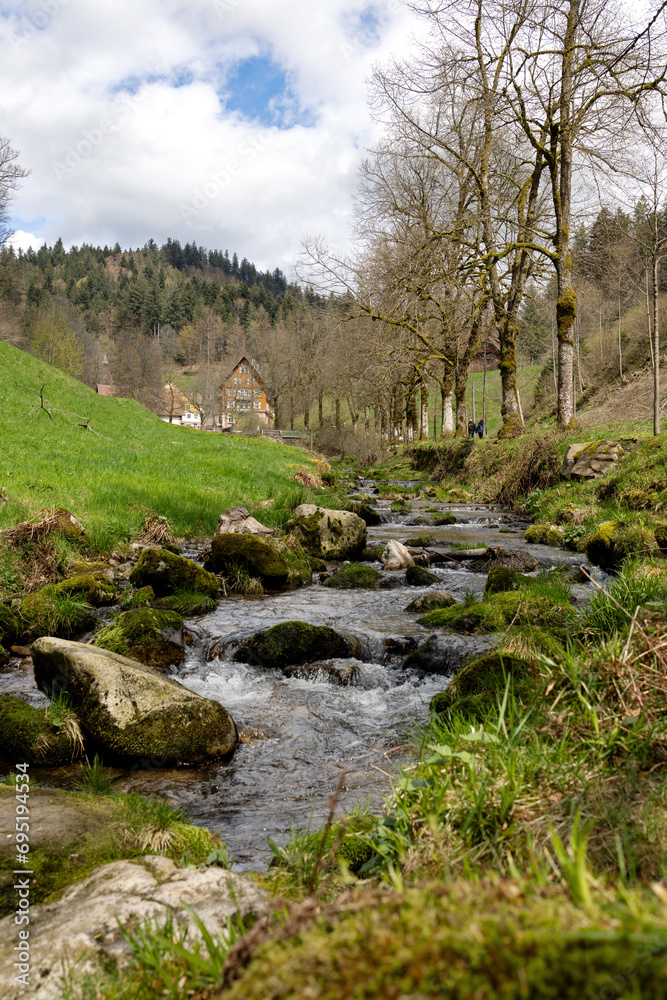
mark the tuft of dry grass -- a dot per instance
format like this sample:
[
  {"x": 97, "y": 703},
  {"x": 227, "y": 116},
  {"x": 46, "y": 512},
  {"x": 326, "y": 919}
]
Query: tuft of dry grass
[{"x": 154, "y": 530}]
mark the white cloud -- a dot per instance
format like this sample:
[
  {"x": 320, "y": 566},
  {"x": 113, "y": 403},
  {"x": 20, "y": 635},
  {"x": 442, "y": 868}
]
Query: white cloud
[{"x": 116, "y": 108}]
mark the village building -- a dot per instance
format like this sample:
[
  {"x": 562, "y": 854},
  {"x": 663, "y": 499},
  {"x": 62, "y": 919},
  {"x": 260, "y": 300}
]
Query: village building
[
  {"x": 245, "y": 398},
  {"x": 177, "y": 408}
]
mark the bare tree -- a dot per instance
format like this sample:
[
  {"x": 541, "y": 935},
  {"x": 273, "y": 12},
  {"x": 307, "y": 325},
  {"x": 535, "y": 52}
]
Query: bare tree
[{"x": 11, "y": 173}]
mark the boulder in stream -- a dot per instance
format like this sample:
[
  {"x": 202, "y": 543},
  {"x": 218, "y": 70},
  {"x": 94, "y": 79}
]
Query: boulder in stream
[
  {"x": 233, "y": 552},
  {"x": 167, "y": 572},
  {"x": 354, "y": 576},
  {"x": 417, "y": 576},
  {"x": 237, "y": 520},
  {"x": 328, "y": 534},
  {"x": 430, "y": 600},
  {"x": 292, "y": 643},
  {"x": 396, "y": 556},
  {"x": 150, "y": 636},
  {"x": 130, "y": 710}
]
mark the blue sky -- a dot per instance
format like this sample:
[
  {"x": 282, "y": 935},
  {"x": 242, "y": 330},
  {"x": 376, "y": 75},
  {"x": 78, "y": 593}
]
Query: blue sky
[{"x": 237, "y": 123}]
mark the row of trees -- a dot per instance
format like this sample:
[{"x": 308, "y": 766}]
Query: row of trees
[{"x": 507, "y": 110}]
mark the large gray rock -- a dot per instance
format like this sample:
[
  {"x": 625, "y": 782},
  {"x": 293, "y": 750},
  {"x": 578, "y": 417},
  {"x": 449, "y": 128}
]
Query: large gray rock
[
  {"x": 328, "y": 534},
  {"x": 591, "y": 459},
  {"x": 396, "y": 556},
  {"x": 130, "y": 709},
  {"x": 237, "y": 520},
  {"x": 81, "y": 931}
]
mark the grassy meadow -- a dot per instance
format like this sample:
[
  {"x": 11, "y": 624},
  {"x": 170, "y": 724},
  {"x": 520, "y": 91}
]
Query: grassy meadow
[{"x": 132, "y": 464}]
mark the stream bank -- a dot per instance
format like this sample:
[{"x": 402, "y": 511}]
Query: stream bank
[{"x": 300, "y": 732}]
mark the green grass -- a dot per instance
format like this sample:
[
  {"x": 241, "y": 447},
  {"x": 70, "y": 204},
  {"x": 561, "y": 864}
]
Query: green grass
[{"x": 134, "y": 465}]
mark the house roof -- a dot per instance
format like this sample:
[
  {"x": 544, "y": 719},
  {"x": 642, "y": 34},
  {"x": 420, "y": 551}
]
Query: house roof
[
  {"x": 106, "y": 390},
  {"x": 256, "y": 374}
]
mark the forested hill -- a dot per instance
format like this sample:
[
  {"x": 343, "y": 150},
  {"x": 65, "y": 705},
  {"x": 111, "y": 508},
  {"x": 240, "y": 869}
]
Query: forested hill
[{"x": 143, "y": 288}]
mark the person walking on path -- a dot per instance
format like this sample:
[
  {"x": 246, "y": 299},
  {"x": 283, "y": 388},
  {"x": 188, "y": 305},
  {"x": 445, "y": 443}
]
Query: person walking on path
[
  {"x": 480, "y": 429},
  {"x": 471, "y": 428}
]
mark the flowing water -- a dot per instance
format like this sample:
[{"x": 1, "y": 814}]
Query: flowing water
[{"x": 303, "y": 732}]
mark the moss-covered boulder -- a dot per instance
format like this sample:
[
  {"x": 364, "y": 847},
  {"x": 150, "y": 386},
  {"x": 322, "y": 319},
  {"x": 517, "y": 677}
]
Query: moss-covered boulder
[
  {"x": 167, "y": 572},
  {"x": 298, "y": 562},
  {"x": 659, "y": 532},
  {"x": 368, "y": 514},
  {"x": 502, "y": 578},
  {"x": 255, "y": 556},
  {"x": 50, "y": 612},
  {"x": 96, "y": 589},
  {"x": 444, "y": 519},
  {"x": 526, "y": 608},
  {"x": 417, "y": 576},
  {"x": 328, "y": 534},
  {"x": 292, "y": 643},
  {"x": 482, "y": 681},
  {"x": 47, "y": 737},
  {"x": 141, "y": 598},
  {"x": 432, "y": 600},
  {"x": 317, "y": 565},
  {"x": 148, "y": 635},
  {"x": 480, "y": 617},
  {"x": 400, "y": 506},
  {"x": 130, "y": 710},
  {"x": 352, "y": 577},
  {"x": 545, "y": 534},
  {"x": 614, "y": 541},
  {"x": 10, "y": 627}
]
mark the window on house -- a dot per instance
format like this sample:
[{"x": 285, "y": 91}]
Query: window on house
[
  {"x": 244, "y": 369},
  {"x": 257, "y": 393},
  {"x": 230, "y": 404},
  {"x": 237, "y": 380},
  {"x": 258, "y": 404},
  {"x": 231, "y": 392}
]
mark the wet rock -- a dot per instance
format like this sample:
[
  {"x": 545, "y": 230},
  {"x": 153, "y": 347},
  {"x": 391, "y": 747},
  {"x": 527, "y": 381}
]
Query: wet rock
[
  {"x": 189, "y": 604},
  {"x": 257, "y": 557},
  {"x": 391, "y": 582},
  {"x": 292, "y": 643},
  {"x": 82, "y": 927},
  {"x": 480, "y": 617},
  {"x": 353, "y": 576},
  {"x": 38, "y": 736},
  {"x": 591, "y": 459},
  {"x": 343, "y": 674},
  {"x": 237, "y": 520},
  {"x": 167, "y": 572},
  {"x": 444, "y": 519},
  {"x": 396, "y": 556},
  {"x": 137, "y": 598},
  {"x": 368, "y": 514},
  {"x": 131, "y": 710},
  {"x": 431, "y": 600},
  {"x": 328, "y": 534},
  {"x": 516, "y": 559},
  {"x": 147, "y": 635},
  {"x": 417, "y": 576},
  {"x": 438, "y": 655}
]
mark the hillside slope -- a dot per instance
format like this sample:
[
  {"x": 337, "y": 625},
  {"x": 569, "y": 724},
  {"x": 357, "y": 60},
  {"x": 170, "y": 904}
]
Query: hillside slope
[{"x": 132, "y": 464}]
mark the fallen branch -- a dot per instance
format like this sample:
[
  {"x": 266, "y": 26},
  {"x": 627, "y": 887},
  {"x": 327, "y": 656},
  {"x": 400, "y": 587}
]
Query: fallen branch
[{"x": 55, "y": 409}]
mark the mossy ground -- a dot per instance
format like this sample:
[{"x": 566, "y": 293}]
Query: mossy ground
[{"x": 72, "y": 833}]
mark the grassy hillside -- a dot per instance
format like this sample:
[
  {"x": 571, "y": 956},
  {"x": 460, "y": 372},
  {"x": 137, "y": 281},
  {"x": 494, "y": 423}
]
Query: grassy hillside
[{"x": 133, "y": 465}]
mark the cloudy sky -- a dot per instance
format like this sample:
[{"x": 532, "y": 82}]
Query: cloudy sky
[{"x": 237, "y": 123}]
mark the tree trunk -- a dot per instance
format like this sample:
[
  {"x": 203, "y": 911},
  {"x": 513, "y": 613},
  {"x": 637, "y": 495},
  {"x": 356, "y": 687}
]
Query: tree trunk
[
  {"x": 509, "y": 409},
  {"x": 411, "y": 414},
  {"x": 423, "y": 427},
  {"x": 320, "y": 410},
  {"x": 367, "y": 420},
  {"x": 306, "y": 416},
  {"x": 337, "y": 405},
  {"x": 656, "y": 348},
  {"x": 447, "y": 430},
  {"x": 291, "y": 413}
]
